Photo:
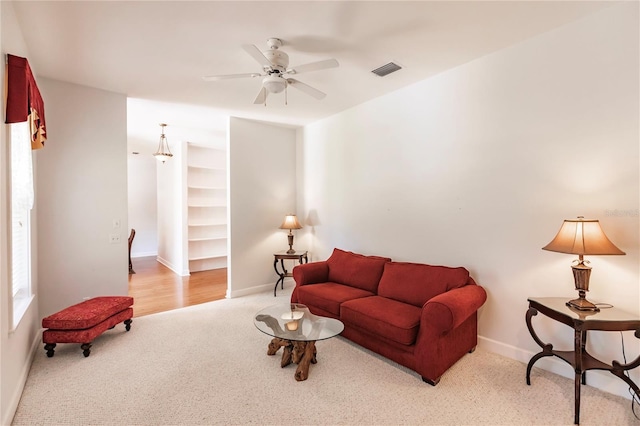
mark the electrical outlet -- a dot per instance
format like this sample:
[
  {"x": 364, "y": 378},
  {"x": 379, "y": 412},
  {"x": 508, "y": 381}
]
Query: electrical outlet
[{"x": 114, "y": 238}]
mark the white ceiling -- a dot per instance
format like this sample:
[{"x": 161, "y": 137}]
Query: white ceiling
[{"x": 160, "y": 50}]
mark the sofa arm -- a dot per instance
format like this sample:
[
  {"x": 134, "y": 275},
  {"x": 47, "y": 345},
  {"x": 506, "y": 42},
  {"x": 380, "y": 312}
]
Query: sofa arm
[
  {"x": 448, "y": 310},
  {"x": 311, "y": 273}
]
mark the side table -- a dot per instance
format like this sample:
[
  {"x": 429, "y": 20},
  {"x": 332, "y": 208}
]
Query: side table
[
  {"x": 283, "y": 273},
  {"x": 610, "y": 319}
]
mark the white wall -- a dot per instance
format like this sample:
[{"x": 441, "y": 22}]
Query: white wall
[
  {"x": 82, "y": 189},
  {"x": 170, "y": 177},
  {"x": 478, "y": 167},
  {"x": 17, "y": 345},
  {"x": 142, "y": 203},
  {"x": 262, "y": 191}
]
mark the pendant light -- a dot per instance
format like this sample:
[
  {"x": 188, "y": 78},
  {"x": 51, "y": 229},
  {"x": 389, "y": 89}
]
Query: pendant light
[{"x": 163, "y": 153}]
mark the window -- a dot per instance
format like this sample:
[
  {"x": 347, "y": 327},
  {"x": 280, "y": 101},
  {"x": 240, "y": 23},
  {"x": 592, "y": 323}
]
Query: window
[{"x": 21, "y": 205}]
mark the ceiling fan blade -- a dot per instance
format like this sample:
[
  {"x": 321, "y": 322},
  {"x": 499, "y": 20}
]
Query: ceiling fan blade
[
  {"x": 262, "y": 97},
  {"x": 314, "y": 66},
  {"x": 306, "y": 88},
  {"x": 256, "y": 54},
  {"x": 229, "y": 76}
]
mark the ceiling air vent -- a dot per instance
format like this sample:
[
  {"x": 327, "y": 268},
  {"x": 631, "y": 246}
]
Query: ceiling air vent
[{"x": 386, "y": 69}]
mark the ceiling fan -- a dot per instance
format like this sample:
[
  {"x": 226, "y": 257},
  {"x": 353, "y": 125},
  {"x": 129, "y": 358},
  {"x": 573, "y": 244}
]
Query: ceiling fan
[{"x": 276, "y": 71}]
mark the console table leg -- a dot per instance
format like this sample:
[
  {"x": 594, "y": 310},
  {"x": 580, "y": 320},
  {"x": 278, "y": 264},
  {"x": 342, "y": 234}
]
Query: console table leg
[
  {"x": 583, "y": 345},
  {"x": 275, "y": 267},
  {"x": 280, "y": 280},
  {"x": 535, "y": 358},
  {"x": 547, "y": 348},
  {"x": 576, "y": 417},
  {"x": 579, "y": 342},
  {"x": 618, "y": 371},
  {"x": 284, "y": 274}
]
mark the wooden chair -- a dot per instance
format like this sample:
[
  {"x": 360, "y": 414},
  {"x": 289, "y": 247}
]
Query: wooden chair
[{"x": 131, "y": 237}]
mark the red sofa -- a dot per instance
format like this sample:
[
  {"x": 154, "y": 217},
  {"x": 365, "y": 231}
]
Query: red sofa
[{"x": 421, "y": 316}]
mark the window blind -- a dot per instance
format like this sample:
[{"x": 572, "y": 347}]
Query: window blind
[{"x": 21, "y": 204}]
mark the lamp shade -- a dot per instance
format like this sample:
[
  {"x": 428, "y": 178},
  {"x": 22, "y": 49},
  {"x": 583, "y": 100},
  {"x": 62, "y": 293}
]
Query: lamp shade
[
  {"x": 290, "y": 222},
  {"x": 580, "y": 236}
]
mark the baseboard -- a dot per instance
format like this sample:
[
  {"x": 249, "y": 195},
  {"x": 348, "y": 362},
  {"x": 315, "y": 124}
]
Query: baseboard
[
  {"x": 17, "y": 392},
  {"x": 183, "y": 273},
  {"x": 259, "y": 289},
  {"x": 602, "y": 380},
  {"x": 144, "y": 254}
]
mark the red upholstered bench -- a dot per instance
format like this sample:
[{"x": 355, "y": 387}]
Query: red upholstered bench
[{"x": 85, "y": 321}]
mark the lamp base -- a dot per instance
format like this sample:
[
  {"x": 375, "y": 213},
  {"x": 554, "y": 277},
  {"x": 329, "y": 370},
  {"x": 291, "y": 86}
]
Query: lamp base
[
  {"x": 582, "y": 304},
  {"x": 581, "y": 275},
  {"x": 290, "y": 239}
]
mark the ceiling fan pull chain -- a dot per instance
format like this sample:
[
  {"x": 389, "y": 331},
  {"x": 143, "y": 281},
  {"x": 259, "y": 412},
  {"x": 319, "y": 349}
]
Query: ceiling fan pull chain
[{"x": 285, "y": 94}]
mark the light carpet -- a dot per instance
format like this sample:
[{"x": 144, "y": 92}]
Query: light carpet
[{"x": 207, "y": 365}]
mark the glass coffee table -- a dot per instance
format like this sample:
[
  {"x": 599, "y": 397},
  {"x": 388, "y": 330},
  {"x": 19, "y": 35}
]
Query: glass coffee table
[{"x": 295, "y": 329}]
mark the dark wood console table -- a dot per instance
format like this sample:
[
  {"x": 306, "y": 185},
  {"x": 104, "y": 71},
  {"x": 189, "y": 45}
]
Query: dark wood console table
[
  {"x": 611, "y": 319},
  {"x": 298, "y": 255}
]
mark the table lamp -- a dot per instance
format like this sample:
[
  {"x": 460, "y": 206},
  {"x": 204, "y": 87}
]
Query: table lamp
[
  {"x": 290, "y": 222},
  {"x": 582, "y": 236}
]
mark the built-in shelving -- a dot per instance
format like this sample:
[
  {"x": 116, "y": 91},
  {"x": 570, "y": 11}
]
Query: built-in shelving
[{"x": 207, "y": 208}]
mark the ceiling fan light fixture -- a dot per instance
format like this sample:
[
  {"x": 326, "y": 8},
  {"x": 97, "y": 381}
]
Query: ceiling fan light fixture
[{"x": 274, "y": 84}]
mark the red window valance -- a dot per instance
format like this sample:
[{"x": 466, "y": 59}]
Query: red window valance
[{"x": 24, "y": 101}]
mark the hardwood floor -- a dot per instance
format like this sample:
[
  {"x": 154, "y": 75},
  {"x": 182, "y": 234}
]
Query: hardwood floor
[{"x": 156, "y": 288}]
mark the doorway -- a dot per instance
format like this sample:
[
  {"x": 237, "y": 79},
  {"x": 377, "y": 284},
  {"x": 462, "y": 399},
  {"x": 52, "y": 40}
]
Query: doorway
[{"x": 156, "y": 288}]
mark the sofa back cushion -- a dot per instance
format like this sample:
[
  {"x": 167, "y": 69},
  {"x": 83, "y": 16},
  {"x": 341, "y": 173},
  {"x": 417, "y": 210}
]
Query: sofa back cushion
[
  {"x": 416, "y": 283},
  {"x": 356, "y": 270}
]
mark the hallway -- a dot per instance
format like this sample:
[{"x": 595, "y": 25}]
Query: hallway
[{"x": 156, "y": 288}]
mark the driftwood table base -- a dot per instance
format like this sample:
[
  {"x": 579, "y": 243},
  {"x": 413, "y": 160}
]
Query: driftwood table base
[{"x": 301, "y": 353}]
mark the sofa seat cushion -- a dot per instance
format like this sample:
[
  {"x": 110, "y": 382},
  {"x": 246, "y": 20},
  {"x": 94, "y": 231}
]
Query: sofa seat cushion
[
  {"x": 396, "y": 321},
  {"x": 328, "y": 296},
  {"x": 356, "y": 270},
  {"x": 417, "y": 283}
]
